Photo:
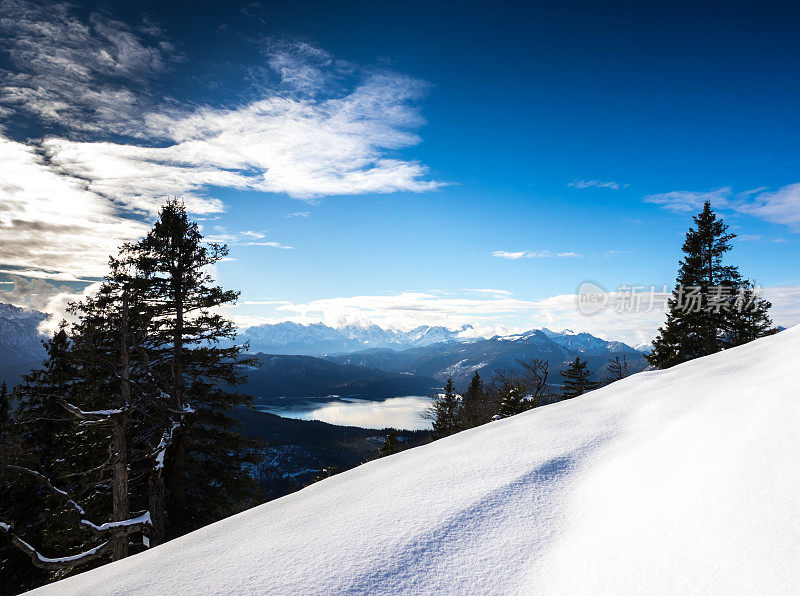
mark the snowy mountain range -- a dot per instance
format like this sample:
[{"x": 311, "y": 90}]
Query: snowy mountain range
[
  {"x": 681, "y": 481},
  {"x": 318, "y": 339},
  {"x": 19, "y": 336},
  {"x": 460, "y": 359}
]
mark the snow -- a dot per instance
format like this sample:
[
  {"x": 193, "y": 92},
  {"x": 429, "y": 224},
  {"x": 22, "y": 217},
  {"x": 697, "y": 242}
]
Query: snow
[
  {"x": 134, "y": 521},
  {"x": 677, "y": 481}
]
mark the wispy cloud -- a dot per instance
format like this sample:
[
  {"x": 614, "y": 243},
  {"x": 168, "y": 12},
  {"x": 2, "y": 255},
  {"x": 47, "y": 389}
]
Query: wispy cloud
[
  {"x": 86, "y": 75},
  {"x": 51, "y": 224},
  {"x": 245, "y": 238},
  {"x": 299, "y": 214},
  {"x": 781, "y": 206},
  {"x": 314, "y": 127},
  {"x": 582, "y": 184},
  {"x": 531, "y": 254}
]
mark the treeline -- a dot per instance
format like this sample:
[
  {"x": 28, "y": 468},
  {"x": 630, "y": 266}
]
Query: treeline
[
  {"x": 124, "y": 438},
  {"x": 512, "y": 392}
]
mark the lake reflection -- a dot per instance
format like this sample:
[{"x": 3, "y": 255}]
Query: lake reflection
[{"x": 396, "y": 412}]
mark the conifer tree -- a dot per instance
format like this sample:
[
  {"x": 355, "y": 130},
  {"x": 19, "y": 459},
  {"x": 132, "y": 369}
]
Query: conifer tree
[
  {"x": 204, "y": 459},
  {"x": 445, "y": 412},
  {"x": 511, "y": 402},
  {"x": 696, "y": 318},
  {"x": 576, "y": 379},
  {"x": 704, "y": 313},
  {"x": 391, "y": 444},
  {"x": 99, "y": 423},
  {"x": 524, "y": 388},
  {"x": 748, "y": 319},
  {"x": 475, "y": 404}
]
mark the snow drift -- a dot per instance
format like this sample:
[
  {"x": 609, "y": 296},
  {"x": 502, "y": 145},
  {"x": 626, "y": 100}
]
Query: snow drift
[{"x": 685, "y": 480}]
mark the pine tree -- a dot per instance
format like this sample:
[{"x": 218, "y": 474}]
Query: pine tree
[
  {"x": 576, "y": 379},
  {"x": 445, "y": 412},
  {"x": 99, "y": 423},
  {"x": 511, "y": 402},
  {"x": 391, "y": 444},
  {"x": 617, "y": 369},
  {"x": 476, "y": 407},
  {"x": 522, "y": 389},
  {"x": 748, "y": 319},
  {"x": 711, "y": 308},
  {"x": 60, "y": 453},
  {"x": 204, "y": 459},
  {"x": 696, "y": 319}
]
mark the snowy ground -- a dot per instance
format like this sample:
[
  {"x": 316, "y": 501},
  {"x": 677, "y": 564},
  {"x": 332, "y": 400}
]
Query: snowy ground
[{"x": 686, "y": 480}]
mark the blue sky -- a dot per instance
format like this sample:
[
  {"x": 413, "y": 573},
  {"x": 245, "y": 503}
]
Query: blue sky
[{"x": 408, "y": 154}]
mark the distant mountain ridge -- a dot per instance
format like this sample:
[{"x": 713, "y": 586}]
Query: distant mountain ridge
[
  {"x": 318, "y": 339},
  {"x": 20, "y": 342},
  {"x": 19, "y": 334},
  {"x": 461, "y": 359}
]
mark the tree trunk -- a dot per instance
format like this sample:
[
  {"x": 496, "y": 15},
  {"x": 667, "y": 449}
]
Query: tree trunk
[
  {"x": 176, "y": 498},
  {"x": 119, "y": 487},
  {"x": 119, "y": 447},
  {"x": 157, "y": 506}
]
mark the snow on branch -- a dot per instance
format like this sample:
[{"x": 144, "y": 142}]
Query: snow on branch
[
  {"x": 91, "y": 416},
  {"x": 169, "y": 435},
  {"x": 43, "y": 562},
  {"x": 64, "y": 495},
  {"x": 128, "y": 525}
]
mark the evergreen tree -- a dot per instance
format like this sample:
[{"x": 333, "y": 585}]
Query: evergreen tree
[
  {"x": 99, "y": 424},
  {"x": 511, "y": 402},
  {"x": 390, "y": 445},
  {"x": 748, "y": 319},
  {"x": 5, "y": 406},
  {"x": 445, "y": 412},
  {"x": 476, "y": 407},
  {"x": 576, "y": 379},
  {"x": 696, "y": 320},
  {"x": 524, "y": 388},
  {"x": 204, "y": 459},
  {"x": 617, "y": 369}
]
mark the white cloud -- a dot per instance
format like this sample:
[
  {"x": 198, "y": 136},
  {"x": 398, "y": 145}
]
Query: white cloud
[
  {"x": 685, "y": 201},
  {"x": 266, "y": 243},
  {"x": 246, "y": 238},
  {"x": 299, "y": 214},
  {"x": 50, "y": 225},
  {"x": 582, "y": 184},
  {"x": 31, "y": 293},
  {"x": 315, "y": 127},
  {"x": 530, "y": 254},
  {"x": 781, "y": 206},
  {"x": 488, "y": 291},
  {"x": 86, "y": 75},
  {"x": 498, "y": 312},
  {"x": 406, "y": 310},
  {"x": 46, "y": 297}
]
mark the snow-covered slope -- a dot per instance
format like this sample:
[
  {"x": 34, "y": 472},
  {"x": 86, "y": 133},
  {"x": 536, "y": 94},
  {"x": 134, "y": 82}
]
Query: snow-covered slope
[{"x": 673, "y": 481}]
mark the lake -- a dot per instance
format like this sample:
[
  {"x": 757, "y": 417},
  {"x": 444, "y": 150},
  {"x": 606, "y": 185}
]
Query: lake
[{"x": 395, "y": 412}]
